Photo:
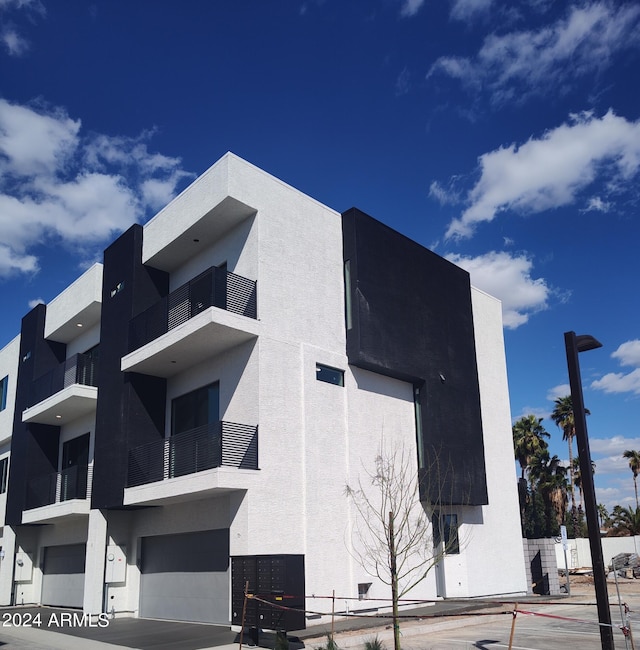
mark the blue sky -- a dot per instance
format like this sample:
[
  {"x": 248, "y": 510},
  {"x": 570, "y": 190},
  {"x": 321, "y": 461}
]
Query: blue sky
[{"x": 502, "y": 135}]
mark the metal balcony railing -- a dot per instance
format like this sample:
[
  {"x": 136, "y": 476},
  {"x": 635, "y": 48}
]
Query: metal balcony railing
[
  {"x": 214, "y": 287},
  {"x": 196, "y": 450},
  {"x": 71, "y": 483},
  {"x": 78, "y": 369}
]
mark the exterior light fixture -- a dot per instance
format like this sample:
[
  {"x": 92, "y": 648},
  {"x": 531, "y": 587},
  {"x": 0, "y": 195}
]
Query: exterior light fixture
[{"x": 575, "y": 344}]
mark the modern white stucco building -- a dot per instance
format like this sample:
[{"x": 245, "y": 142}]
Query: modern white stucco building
[{"x": 209, "y": 390}]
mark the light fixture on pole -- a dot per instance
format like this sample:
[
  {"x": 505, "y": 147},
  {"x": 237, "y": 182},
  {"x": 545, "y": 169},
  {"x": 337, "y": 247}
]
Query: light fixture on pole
[{"x": 575, "y": 344}]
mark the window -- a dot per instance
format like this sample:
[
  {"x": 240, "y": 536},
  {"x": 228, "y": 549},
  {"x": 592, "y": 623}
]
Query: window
[
  {"x": 117, "y": 289},
  {"x": 348, "y": 307},
  {"x": 4, "y": 474},
  {"x": 363, "y": 590},
  {"x": 329, "y": 375},
  {"x": 445, "y": 530},
  {"x": 417, "y": 407},
  {"x": 4, "y": 385},
  {"x": 195, "y": 409}
]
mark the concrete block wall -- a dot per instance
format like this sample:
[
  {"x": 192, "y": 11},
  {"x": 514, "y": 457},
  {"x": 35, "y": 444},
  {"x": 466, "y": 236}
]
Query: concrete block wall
[{"x": 541, "y": 566}]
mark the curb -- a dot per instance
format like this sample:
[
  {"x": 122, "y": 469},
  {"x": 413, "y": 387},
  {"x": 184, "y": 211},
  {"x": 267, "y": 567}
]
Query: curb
[{"x": 347, "y": 640}]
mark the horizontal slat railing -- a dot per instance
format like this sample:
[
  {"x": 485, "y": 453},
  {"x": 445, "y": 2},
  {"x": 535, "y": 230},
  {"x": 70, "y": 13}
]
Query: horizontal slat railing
[
  {"x": 78, "y": 369},
  {"x": 71, "y": 483},
  {"x": 219, "y": 444},
  {"x": 214, "y": 287}
]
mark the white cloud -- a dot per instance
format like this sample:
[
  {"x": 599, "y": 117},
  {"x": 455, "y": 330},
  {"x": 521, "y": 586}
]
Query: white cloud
[
  {"x": 33, "y": 142},
  {"x": 618, "y": 382},
  {"x": 562, "y": 390},
  {"x": 36, "y": 301},
  {"x": 531, "y": 410},
  {"x": 33, "y": 5},
  {"x": 507, "y": 277},
  {"x": 596, "y": 204},
  {"x": 511, "y": 66},
  {"x": 158, "y": 192},
  {"x": 13, "y": 42},
  {"x": 627, "y": 354},
  {"x": 444, "y": 196},
  {"x": 410, "y": 7},
  {"x": 57, "y": 186},
  {"x": 12, "y": 262},
  {"x": 614, "y": 446},
  {"x": 548, "y": 172},
  {"x": 403, "y": 82},
  {"x": 468, "y": 9}
]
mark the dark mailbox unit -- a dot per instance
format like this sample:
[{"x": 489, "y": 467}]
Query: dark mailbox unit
[{"x": 278, "y": 579}]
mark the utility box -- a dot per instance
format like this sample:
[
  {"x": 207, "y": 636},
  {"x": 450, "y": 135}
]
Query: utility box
[
  {"x": 116, "y": 564},
  {"x": 24, "y": 567},
  {"x": 276, "y": 579}
]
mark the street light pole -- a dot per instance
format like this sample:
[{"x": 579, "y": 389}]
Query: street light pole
[{"x": 575, "y": 344}]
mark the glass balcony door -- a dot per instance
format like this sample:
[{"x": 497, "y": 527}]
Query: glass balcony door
[
  {"x": 73, "y": 475},
  {"x": 195, "y": 443}
]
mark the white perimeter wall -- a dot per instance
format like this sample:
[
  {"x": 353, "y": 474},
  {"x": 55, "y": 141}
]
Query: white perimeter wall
[{"x": 579, "y": 551}]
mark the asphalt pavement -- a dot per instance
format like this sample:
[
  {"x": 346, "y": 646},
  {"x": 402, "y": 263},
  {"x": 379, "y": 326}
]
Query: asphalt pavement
[{"x": 445, "y": 624}]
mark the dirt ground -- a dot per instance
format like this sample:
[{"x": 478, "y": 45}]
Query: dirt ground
[{"x": 583, "y": 586}]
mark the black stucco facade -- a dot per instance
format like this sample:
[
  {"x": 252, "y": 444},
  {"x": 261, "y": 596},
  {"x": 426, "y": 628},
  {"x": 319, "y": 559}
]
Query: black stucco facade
[
  {"x": 410, "y": 317},
  {"x": 34, "y": 447},
  {"x": 131, "y": 406}
]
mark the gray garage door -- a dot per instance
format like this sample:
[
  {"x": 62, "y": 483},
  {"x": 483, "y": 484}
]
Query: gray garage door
[
  {"x": 63, "y": 575},
  {"x": 186, "y": 577}
]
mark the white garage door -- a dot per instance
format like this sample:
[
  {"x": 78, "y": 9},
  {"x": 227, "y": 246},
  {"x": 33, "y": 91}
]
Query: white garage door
[
  {"x": 63, "y": 575},
  {"x": 185, "y": 577}
]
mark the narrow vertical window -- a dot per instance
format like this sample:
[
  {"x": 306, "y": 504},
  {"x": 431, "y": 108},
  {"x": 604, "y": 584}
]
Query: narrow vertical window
[
  {"x": 347, "y": 295},
  {"x": 4, "y": 474},
  {"x": 417, "y": 405},
  {"x": 4, "y": 385},
  {"x": 445, "y": 531}
]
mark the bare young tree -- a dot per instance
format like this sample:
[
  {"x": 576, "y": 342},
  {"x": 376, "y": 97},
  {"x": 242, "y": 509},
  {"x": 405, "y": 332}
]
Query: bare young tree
[{"x": 393, "y": 535}]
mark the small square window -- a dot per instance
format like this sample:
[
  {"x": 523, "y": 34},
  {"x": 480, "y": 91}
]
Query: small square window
[
  {"x": 363, "y": 590},
  {"x": 329, "y": 375}
]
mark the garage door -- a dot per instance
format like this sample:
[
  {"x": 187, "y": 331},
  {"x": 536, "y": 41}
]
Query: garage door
[
  {"x": 63, "y": 575},
  {"x": 186, "y": 577}
]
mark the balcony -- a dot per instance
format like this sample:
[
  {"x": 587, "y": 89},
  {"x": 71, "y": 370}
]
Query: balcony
[
  {"x": 212, "y": 312},
  {"x": 65, "y": 393},
  {"x": 59, "y": 494},
  {"x": 203, "y": 460}
]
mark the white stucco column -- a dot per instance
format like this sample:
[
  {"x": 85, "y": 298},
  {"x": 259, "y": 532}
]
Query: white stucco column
[
  {"x": 94, "y": 563},
  {"x": 6, "y": 564}
]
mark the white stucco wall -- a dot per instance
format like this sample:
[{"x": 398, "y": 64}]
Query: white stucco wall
[
  {"x": 83, "y": 296},
  {"x": 9, "y": 360},
  {"x": 499, "y": 522}
]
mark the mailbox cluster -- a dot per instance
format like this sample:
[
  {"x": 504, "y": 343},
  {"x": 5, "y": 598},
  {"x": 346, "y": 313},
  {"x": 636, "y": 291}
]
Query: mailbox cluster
[{"x": 277, "y": 579}]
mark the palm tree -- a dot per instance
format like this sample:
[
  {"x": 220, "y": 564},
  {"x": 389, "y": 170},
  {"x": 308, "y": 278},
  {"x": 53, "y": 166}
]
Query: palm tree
[
  {"x": 577, "y": 477},
  {"x": 528, "y": 439},
  {"x": 634, "y": 464},
  {"x": 550, "y": 479},
  {"x": 563, "y": 416},
  {"x": 625, "y": 521},
  {"x": 603, "y": 514}
]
